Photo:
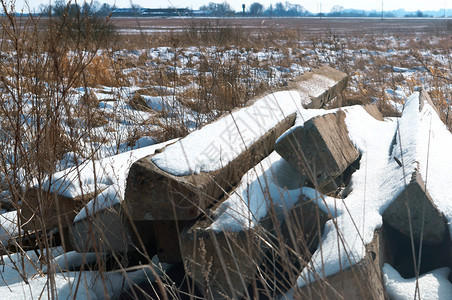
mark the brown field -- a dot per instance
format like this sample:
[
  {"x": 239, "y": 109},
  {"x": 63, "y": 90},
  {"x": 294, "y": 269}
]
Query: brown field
[
  {"x": 74, "y": 93},
  {"x": 307, "y": 26}
]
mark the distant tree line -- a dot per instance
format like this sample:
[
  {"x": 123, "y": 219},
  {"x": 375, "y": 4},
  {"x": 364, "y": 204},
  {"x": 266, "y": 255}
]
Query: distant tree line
[
  {"x": 288, "y": 9},
  {"x": 256, "y": 9},
  {"x": 223, "y": 9}
]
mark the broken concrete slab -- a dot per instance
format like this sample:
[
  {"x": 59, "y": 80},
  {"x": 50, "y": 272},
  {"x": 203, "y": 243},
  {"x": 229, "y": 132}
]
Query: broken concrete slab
[
  {"x": 153, "y": 194},
  {"x": 303, "y": 226},
  {"x": 415, "y": 208},
  {"x": 320, "y": 149},
  {"x": 222, "y": 263},
  {"x": 414, "y": 212},
  {"x": 321, "y": 86},
  {"x": 110, "y": 229},
  {"x": 57, "y": 200},
  {"x": 44, "y": 210},
  {"x": 103, "y": 231},
  {"x": 225, "y": 262},
  {"x": 361, "y": 281}
]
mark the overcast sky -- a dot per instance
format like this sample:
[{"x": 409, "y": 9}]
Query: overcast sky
[{"x": 311, "y": 5}]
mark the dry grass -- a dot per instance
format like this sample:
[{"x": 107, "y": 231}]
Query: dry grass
[{"x": 205, "y": 69}]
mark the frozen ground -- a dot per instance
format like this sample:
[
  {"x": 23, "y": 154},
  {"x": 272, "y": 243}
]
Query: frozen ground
[
  {"x": 385, "y": 70},
  {"x": 377, "y": 182},
  {"x": 57, "y": 282}
]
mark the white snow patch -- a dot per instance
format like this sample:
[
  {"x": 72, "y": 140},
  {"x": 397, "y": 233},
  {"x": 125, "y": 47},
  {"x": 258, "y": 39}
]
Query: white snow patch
[
  {"x": 68, "y": 285},
  {"x": 271, "y": 183},
  {"x": 111, "y": 176},
  {"x": 259, "y": 187},
  {"x": 432, "y": 285}
]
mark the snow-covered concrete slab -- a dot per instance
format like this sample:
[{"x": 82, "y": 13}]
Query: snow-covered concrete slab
[
  {"x": 321, "y": 86},
  {"x": 186, "y": 177},
  {"x": 101, "y": 224},
  {"x": 361, "y": 281},
  {"x": 320, "y": 149},
  {"x": 417, "y": 147},
  {"x": 356, "y": 217}
]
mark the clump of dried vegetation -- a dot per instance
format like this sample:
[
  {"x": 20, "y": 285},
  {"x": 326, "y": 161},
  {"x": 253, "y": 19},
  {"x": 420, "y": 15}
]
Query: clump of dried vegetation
[{"x": 50, "y": 112}]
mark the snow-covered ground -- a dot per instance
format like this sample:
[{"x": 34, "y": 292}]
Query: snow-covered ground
[
  {"x": 432, "y": 285},
  {"x": 387, "y": 70},
  {"x": 56, "y": 281},
  {"x": 377, "y": 182}
]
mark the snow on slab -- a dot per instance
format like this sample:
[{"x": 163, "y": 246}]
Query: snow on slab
[
  {"x": 424, "y": 144},
  {"x": 218, "y": 143},
  {"x": 433, "y": 143},
  {"x": 96, "y": 175},
  {"x": 112, "y": 174},
  {"x": 358, "y": 215},
  {"x": 72, "y": 260},
  {"x": 432, "y": 285},
  {"x": 249, "y": 202},
  {"x": 316, "y": 85},
  {"x": 272, "y": 182}
]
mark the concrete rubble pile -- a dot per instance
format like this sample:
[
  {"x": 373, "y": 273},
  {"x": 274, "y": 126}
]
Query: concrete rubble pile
[{"x": 173, "y": 215}]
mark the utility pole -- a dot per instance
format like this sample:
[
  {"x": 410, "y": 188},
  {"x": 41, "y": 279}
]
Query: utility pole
[
  {"x": 320, "y": 9},
  {"x": 382, "y": 11}
]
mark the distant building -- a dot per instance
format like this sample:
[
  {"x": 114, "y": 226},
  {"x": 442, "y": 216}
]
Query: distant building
[
  {"x": 126, "y": 11},
  {"x": 167, "y": 12},
  {"x": 152, "y": 12},
  {"x": 201, "y": 13}
]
